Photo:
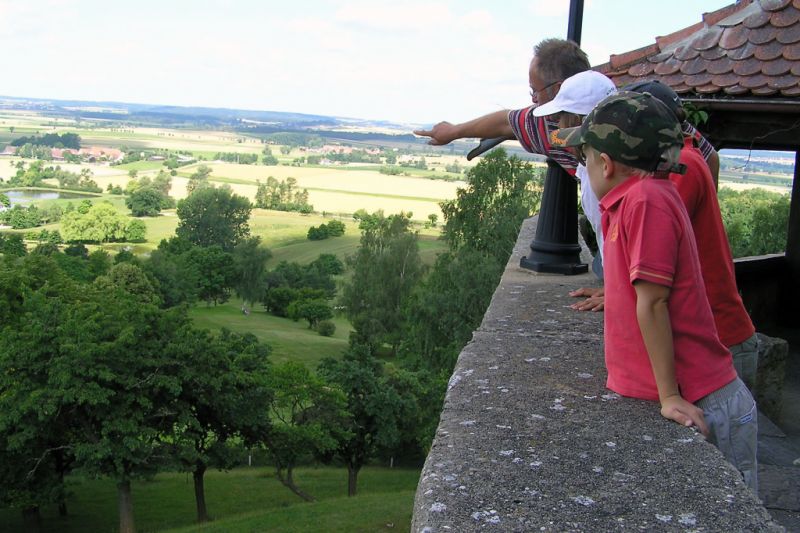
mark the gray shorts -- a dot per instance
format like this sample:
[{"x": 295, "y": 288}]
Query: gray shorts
[
  {"x": 745, "y": 360},
  {"x": 732, "y": 419}
]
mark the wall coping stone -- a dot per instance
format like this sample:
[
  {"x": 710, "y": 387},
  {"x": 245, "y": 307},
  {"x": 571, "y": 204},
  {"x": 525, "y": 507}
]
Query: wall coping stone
[{"x": 531, "y": 440}]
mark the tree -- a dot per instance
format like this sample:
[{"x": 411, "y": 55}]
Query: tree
[
  {"x": 175, "y": 276},
  {"x": 214, "y": 216},
  {"x": 12, "y": 244},
  {"x": 328, "y": 264},
  {"x": 385, "y": 269},
  {"x": 33, "y": 438},
  {"x": 250, "y": 260},
  {"x": 313, "y": 310},
  {"x": 4, "y": 201},
  {"x": 91, "y": 369},
  {"x": 224, "y": 392},
  {"x": 756, "y": 220},
  {"x": 487, "y": 215},
  {"x": 306, "y": 418},
  {"x": 448, "y": 306},
  {"x": 145, "y": 202},
  {"x": 372, "y": 403},
  {"x": 198, "y": 180},
  {"x": 216, "y": 272},
  {"x": 100, "y": 223},
  {"x": 135, "y": 231}
]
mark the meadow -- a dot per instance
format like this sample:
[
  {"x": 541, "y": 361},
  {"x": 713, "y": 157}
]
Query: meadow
[
  {"x": 245, "y": 499},
  {"x": 251, "y": 499}
]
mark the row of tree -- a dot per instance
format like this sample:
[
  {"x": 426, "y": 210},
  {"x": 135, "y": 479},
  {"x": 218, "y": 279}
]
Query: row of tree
[
  {"x": 35, "y": 175},
  {"x": 54, "y": 140},
  {"x": 282, "y": 195},
  {"x": 109, "y": 378}
]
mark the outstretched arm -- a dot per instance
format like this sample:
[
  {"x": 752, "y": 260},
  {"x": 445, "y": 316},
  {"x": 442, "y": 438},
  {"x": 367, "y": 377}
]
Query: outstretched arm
[
  {"x": 652, "y": 314},
  {"x": 486, "y": 127}
]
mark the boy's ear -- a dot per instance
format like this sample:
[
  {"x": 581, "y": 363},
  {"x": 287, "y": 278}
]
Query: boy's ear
[{"x": 608, "y": 166}]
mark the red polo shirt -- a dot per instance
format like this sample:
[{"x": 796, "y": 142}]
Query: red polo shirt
[
  {"x": 696, "y": 189},
  {"x": 648, "y": 237}
]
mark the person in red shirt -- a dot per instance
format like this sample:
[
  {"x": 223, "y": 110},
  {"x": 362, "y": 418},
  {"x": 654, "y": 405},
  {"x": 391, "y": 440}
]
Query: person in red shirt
[
  {"x": 653, "y": 279},
  {"x": 697, "y": 190}
]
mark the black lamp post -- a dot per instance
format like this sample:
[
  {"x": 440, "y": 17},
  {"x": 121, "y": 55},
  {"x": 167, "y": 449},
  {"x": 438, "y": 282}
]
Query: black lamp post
[{"x": 555, "y": 247}]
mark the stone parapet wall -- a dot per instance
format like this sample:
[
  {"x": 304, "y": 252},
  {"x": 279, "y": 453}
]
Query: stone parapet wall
[{"x": 531, "y": 440}]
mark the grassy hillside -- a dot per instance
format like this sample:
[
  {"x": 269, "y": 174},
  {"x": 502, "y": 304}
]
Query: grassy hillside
[
  {"x": 245, "y": 499},
  {"x": 289, "y": 340}
]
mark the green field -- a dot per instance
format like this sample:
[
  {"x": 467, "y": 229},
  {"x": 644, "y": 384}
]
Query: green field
[
  {"x": 251, "y": 499},
  {"x": 290, "y": 340},
  {"x": 243, "y": 500}
]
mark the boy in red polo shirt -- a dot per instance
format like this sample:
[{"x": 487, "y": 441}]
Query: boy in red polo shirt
[{"x": 660, "y": 339}]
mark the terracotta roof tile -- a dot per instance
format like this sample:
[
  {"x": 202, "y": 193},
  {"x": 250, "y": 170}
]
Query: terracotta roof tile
[
  {"x": 743, "y": 52},
  {"x": 776, "y": 68},
  {"x": 764, "y": 91},
  {"x": 788, "y": 17},
  {"x": 792, "y": 53},
  {"x": 754, "y": 82},
  {"x": 725, "y": 80},
  {"x": 749, "y": 49},
  {"x": 693, "y": 66},
  {"x": 789, "y": 35},
  {"x": 707, "y": 39},
  {"x": 714, "y": 53},
  {"x": 663, "y": 56},
  {"x": 674, "y": 80},
  {"x": 774, "y": 5},
  {"x": 641, "y": 69},
  {"x": 747, "y": 67},
  {"x": 769, "y": 51},
  {"x": 733, "y": 37},
  {"x": 763, "y": 35},
  {"x": 720, "y": 66},
  {"x": 707, "y": 89},
  {"x": 685, "y": 53},
  {"x": 786, "y": 81},
  {"x": 698, "y": 80},
  {"x": 670, "y": 66},
  {"x": 756, "y": 20},
  {"x": 736, "y": 90}
]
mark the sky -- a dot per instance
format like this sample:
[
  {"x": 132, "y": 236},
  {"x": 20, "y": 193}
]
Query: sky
[{"x": 407, "y": 61}]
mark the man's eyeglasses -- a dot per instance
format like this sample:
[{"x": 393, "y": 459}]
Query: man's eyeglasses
[{"x": 535, "y": 92}]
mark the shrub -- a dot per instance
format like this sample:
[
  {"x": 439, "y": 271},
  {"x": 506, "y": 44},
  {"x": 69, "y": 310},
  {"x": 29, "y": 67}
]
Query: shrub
[{"x": 326, "y": 328}]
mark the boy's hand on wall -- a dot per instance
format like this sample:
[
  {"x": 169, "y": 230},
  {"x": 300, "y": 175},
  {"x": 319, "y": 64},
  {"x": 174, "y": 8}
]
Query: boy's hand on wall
[
  {"x": 687, "y": 414},
  {"x": 595, "y": 300}
]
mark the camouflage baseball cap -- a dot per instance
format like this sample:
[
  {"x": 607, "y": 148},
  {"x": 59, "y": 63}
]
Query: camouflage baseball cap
[{"x": 635, "y": 129}]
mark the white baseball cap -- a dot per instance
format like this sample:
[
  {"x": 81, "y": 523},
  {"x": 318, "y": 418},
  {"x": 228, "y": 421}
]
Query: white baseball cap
[{"x": 578, "y": 94}]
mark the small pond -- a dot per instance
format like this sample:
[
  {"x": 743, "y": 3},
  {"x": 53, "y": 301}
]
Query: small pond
[{"x": 29, "y": 196}]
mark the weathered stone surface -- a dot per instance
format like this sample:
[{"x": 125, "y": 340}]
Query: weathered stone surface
[
  {"x": 779, "y": 487},
  {"x": 531, "y": 440},
  {"x": 772, "y": 355}
]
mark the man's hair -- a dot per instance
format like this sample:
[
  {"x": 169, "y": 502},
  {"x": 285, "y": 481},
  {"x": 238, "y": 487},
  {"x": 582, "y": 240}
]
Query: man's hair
[{"x": 558, "y": 59}]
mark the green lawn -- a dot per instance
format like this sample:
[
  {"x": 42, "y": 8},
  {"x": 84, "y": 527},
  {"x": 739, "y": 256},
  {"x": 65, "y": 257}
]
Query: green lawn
[
  {"x": 290, "y": 340},
  {"x": 245, "y": 499}
]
